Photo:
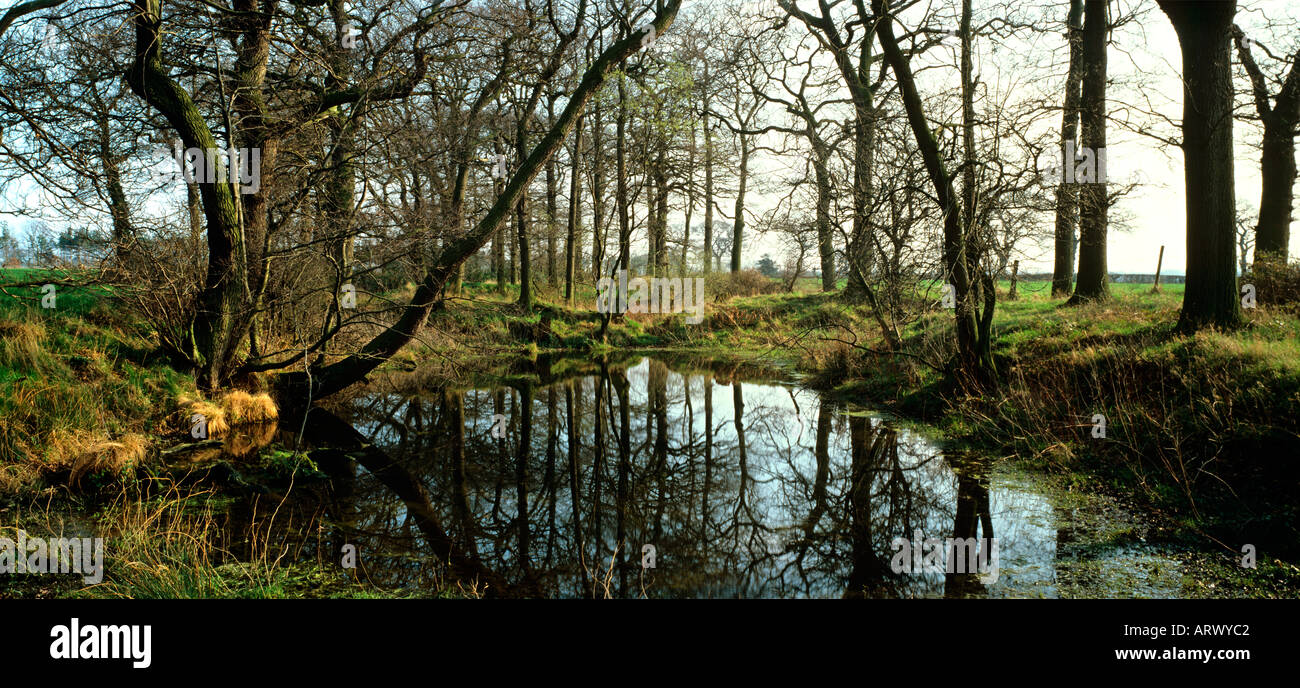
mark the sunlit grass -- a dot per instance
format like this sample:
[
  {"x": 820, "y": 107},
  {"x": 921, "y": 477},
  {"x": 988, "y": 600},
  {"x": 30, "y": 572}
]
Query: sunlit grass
[{"x": 78, "y": 383}]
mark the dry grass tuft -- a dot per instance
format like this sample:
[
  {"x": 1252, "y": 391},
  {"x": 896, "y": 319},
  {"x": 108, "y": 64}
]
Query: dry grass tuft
[
  {"x": 83, "y": 453},
  {"x": 20, "y": 344},
  {"x": 247, "y": 422},
  {"x": 214, "y": 415},
  {"x": 243, "y": 407}
]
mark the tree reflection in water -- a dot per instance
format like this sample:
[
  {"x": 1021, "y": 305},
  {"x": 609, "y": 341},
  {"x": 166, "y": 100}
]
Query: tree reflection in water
[{"x": 745, "y": 490}]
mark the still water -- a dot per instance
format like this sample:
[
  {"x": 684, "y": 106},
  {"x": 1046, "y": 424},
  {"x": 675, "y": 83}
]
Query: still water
[{"x": 649, "y": 479}]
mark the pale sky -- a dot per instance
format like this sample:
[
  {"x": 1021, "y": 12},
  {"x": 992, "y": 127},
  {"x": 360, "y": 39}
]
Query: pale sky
[{"x": 1156, "y": 207}]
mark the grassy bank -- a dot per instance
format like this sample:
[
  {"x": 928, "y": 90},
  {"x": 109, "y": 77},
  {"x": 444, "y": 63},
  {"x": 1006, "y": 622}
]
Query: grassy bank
[
  {"x": 81, "y": 389},
  {"x": 88, "y": 414},
  {"x": 1203, "y": 429}
]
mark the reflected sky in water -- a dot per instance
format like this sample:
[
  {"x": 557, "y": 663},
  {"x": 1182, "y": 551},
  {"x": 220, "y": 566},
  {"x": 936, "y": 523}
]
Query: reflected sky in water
[{"x": 744, "y": 489}]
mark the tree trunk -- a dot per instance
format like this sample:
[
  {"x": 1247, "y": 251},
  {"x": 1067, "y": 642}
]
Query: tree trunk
[
  {"x": 1278, "y": 170},
  {"x": 825, "y": 237},
  {"x": 597, "y": 194},
  {"x": 499, "y": 236},
  {"x": 575, "y": 217},
  {"x": 1277, "y": 162},
  {"x": 738, "y": 233},
  {"x": 857, "y": 77},
  {"x": 708, "y": 197},
  {"x": 690, "y": 204},
  {"x": 974, "y": 362},
  {"x": 864, "y": 150},
  {"x": 659, "y": 214},
  {"x": 1094, "y": 279},
  {"x": 525, "y": 300},
  {"x": 552, "y": 226},
  {"x": 620, "y": 154},
  {"x": 1067, "y": 195},
  {"x": 1210, "y": 297},
  {"x": 219, "y": 299}
]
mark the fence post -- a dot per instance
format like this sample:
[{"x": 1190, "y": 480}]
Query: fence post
[{"x": 1155, "y": 288}]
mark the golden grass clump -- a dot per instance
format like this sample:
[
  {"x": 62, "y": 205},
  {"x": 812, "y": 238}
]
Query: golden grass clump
[
  {"x": 84, "y": 453},
  {"x": 214, "y": 415},
  {"x": 20, "y": 343},
  {"x": 243, "y": 407},
  {"x": 234, "y": 409}
]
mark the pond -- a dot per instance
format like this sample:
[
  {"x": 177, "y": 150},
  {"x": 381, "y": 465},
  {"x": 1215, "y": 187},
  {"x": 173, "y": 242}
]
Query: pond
[{"x": 654, "y": 479}]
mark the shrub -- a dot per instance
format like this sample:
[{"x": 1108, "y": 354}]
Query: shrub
[
  {"x": 1276, "y": 282},
  {"x": 722, "y": 286}
]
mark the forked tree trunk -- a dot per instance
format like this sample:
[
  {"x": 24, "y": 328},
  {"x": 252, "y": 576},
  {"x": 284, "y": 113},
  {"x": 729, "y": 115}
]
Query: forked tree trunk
[
  {"x": 974, "y": 361},
  {"x": 219, "y": 298}
]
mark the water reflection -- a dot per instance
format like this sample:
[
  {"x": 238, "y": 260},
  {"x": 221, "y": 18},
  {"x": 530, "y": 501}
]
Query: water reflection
[{"x": 744, "y": 489}]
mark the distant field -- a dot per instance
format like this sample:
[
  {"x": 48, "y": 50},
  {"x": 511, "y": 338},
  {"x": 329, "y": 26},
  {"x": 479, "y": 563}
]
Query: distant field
[{"x": 67, "y": 299}]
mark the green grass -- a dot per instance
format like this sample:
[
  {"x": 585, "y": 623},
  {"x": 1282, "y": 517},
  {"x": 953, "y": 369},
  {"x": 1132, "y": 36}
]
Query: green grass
[
  {"x": 1205, "y": 426},
  {"x": 80, "y": 367}
]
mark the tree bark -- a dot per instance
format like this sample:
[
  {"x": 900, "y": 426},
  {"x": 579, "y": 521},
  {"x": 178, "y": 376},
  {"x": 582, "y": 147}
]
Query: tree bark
[
  {"x": 738, "y": 231},
  {"x": 1210, "y": 297},
  {"x": 825, "y": 237},
  {"x": 1278, "y": 172},
  {"x": 620, "y": 155},
  {"x": 1094, "y": 279},
  {"x": 659, "y": 214},
  {"x": 1277, "y": 161},
  {"x": 1067, "y": 195},
  {"x": 597, "y": 193},
  {"x": 220, "y": 296},
  {"x": 708, "y": 191},
  {"x": 552, "y": 206},
  {"x": 575, "y": 217}
]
